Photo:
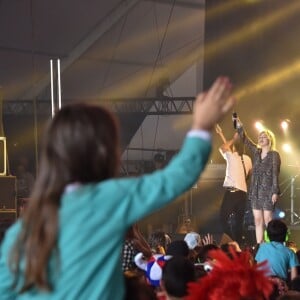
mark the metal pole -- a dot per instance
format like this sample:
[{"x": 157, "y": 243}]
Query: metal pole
[
  {"x": 58, "y": 84},
  {"x": 55, "y": 86},
  {"x": 52, "y": 88}
]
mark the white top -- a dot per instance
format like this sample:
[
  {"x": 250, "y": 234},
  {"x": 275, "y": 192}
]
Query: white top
[{"x": 235, "y": 175}]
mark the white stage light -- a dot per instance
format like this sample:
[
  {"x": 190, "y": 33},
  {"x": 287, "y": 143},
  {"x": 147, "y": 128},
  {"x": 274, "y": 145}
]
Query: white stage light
[
  {"x": 259, "y": 126},
  {"x": 287, "y": 148},
  {"x": 284, "y": 125}
]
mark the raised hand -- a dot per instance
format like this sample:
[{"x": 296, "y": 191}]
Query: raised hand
[
  {"x": 218, "y": 129},
  {"x": 211, "y": 106},
  {"x": 220, "y": 133},
  {"x": 208, "y": 239}
]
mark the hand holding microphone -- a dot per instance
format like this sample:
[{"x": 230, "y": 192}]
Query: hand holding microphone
[
  {"x": 236, "y": 122},
  {"x": 234, "y": 119}
]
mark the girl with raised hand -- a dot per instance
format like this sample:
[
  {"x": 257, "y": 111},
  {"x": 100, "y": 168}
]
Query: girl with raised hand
[{"x": 69, "y": 241}]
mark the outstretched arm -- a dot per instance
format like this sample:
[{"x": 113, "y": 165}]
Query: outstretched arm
[
  {"x": 219, "y": 131},
  {"x": 227, "y": 145},
  {"x": 244, "y": 137},
  {"x": 161, "y": 187},
  {"x": 210, "y": 107}
]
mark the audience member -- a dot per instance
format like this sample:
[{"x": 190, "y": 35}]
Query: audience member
[
  {"x": 159, "y": 242},
  {"x": 290, "y": 295},
  {"x": 134, "y": 243},
  {"x": 193, "y": 240},
  {"x": 292, "y": 245},
  {"x": 233, "y": 278},
  {"x": 295, "y": 283},
  {"x": 194, "y": 243},
  {"x": 280, "y": 287},
  {"x": 176, "y": 274},
  {"x": 68, "y": 243},
  {"x": 152, "y": 267},
  {"x": 203, "y": 255},
  {"x": 280, "y": 258},
  {"x": 178, "y": 248},
  {"x": 232, "y": 244},
  {"x": 137, "y": 288},
  {"x": 204, "y": 262}
]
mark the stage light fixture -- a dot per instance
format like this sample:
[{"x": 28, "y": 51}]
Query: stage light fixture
[
  {"x": 278, "y": 213},
  {"x": 287, "y": 148},
  {"x": 259, "y": 126},
  {"x": 285, "y": 124}
]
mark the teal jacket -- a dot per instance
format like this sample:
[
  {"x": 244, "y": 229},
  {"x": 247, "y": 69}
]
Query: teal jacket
[{"x": 93, "y": 221}]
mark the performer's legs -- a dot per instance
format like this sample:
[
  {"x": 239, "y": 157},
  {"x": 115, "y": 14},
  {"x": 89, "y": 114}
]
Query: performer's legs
[
  {"x": 226, "y": 209},
  {"x": 268, "y": 216},
  {"x": 259, "y": 225},
  {"x": 240, "y": 205}
]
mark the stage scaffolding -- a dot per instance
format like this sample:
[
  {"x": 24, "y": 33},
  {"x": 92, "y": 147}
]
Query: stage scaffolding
[{"x": 151, "y": 106}]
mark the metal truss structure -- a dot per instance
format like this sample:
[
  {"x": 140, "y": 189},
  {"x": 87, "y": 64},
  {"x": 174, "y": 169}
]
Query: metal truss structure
[
  {"x": 155, "y": 106},
  {"x": 150, "y": 106}
]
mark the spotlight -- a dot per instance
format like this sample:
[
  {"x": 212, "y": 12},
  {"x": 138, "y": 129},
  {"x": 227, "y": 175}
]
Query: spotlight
[
  {"x": 285, "y": 124},
  {"x": 278, "y": 213},
  {"x": 259, "y": 126},
  {"x": 287, "y": 148}
]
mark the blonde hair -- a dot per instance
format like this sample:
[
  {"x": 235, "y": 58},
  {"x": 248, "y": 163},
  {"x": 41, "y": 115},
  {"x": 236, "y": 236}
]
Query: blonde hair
[{"x": 271, "y": 138}]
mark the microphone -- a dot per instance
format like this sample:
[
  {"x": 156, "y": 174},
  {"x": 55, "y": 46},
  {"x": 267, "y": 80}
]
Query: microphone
[{"x": 234, "y": 117}]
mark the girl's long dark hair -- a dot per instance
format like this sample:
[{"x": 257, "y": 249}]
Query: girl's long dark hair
[{"x": 81, "y": 144}]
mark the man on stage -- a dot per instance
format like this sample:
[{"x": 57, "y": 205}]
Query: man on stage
[{"x": 238, "y": 167}]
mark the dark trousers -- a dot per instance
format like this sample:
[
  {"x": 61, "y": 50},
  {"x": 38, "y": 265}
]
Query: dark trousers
[{"x": 232, "y": 213}]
